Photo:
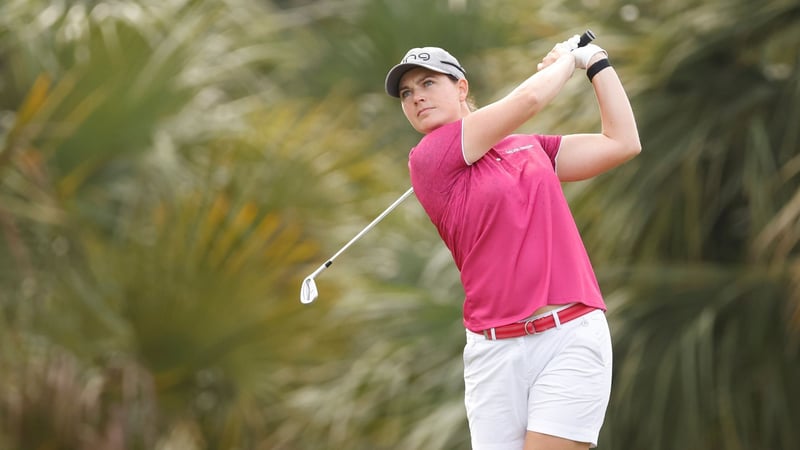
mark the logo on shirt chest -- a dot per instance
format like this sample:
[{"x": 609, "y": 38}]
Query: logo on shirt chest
[{"x": 518, "y": 149}]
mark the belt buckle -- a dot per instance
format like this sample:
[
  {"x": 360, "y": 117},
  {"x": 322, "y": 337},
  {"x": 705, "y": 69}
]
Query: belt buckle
[{"x": 532, "y": 326}]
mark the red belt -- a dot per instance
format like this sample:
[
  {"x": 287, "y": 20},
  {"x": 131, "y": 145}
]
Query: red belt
[{"x": 551, "y": 320}]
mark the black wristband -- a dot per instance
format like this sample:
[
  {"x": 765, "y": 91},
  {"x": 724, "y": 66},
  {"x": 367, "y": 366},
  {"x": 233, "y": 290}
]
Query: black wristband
[{"x": 597, "y": 67}]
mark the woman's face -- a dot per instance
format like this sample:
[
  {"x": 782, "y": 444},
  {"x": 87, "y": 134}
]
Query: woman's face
[{"x": 431, "y": 99}]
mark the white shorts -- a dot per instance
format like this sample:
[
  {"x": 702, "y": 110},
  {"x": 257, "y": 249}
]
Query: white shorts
[{"x": 556, "y": 383}]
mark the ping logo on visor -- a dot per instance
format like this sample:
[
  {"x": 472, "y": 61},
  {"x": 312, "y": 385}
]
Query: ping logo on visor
[{"x": 423, "y": 56}]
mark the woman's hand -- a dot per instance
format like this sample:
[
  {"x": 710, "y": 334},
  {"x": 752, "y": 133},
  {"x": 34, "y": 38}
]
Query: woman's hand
[
  {"x": 587, "y": 55},
  {"x": 560, "y": 50}
]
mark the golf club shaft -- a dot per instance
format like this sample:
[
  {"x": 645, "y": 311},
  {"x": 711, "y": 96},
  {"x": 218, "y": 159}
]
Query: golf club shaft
[
  {"x": 585, "y": 38},
  {"x": 370, "y": 226},
  {"x": 308, "y": 289}
]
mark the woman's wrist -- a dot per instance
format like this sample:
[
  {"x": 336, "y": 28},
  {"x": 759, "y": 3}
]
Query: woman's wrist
[
  {"x": 596, "y": 57},
  {"x": 596, "y": 67},
  {"x": 568, "y": 59}
]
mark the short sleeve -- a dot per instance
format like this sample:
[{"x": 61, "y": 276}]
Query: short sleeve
[
  {"x": 550, "y": 144},
  {"x": 435, "y": 165}
]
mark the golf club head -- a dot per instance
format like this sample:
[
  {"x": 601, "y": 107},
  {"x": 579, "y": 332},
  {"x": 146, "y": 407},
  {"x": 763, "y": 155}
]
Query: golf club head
[{"x": 308, "y": 290}]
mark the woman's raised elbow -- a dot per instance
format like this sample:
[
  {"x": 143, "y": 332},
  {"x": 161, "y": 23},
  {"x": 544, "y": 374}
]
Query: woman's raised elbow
[
  {"x": 634, "y": 148},
  {"x": 625, "y": 149},
  {"x": 631, "y": 147}
]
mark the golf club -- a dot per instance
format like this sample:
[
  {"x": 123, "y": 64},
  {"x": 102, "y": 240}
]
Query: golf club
[
  {"x": 308, "y": 291},
  {"x": 585, "y": 38}
]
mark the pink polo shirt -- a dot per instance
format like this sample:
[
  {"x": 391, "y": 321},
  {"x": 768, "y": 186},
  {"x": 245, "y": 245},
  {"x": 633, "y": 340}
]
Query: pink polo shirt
[{"x": 507, "y": 224}]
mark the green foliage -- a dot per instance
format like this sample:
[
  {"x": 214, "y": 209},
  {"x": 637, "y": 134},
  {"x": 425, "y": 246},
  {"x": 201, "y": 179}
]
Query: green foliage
[
  {"x": 715, "y": 357},
  {"x": 171, "y": 170}
]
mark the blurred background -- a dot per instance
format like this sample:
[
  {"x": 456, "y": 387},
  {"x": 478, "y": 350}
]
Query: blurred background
[{"x": 171, "y": 170}]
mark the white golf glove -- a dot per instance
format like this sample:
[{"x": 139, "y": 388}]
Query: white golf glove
[
  {"x": 572, "y": 42},
  {"x": 585, "y": 53}
]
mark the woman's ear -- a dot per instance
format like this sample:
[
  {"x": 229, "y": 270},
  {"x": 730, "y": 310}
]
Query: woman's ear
[{"x": 463, "y": 89}]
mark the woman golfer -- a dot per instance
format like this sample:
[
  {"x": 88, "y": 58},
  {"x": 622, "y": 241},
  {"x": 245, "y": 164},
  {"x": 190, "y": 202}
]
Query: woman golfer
[{"x": 537, "y": 360}]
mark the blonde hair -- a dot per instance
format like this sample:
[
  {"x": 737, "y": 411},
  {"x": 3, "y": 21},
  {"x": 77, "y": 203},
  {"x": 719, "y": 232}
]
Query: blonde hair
[{"x": 471, "y": 103}]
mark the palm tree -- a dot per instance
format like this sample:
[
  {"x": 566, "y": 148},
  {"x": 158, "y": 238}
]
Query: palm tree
[
  {"x": 169, "y": 172},
  {"x": 151, "y": 258},
  {"x": 694, "y": 241},
  {"x": 698, "y": 237}
]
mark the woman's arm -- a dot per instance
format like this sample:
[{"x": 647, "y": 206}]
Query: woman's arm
[
  {"x": 488, "y": 125},
  {"x": 583, "y": 156}
]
